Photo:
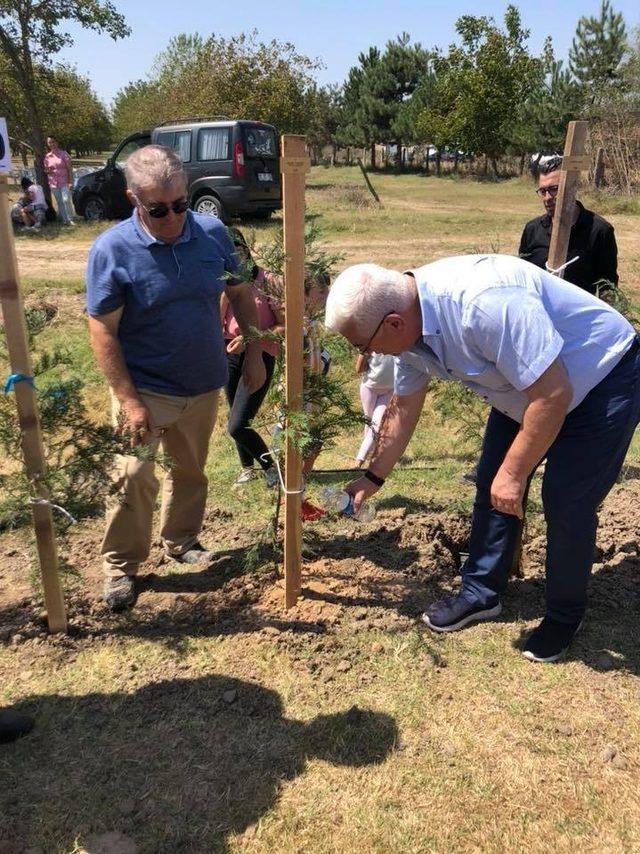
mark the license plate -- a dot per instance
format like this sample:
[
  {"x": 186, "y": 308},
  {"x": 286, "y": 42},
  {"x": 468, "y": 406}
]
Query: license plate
[{"x": 265, "y": 176}]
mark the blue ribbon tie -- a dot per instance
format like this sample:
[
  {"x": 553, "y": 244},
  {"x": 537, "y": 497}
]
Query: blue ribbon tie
[{"x": 12, "y": 379}]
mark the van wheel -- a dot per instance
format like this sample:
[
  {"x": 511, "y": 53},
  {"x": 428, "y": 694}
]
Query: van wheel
[
  {"x": 94, "y": 209},
  {"x": 209, "y": 205}
]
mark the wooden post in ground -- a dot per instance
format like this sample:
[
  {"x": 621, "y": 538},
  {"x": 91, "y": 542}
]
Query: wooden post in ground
[
  {"x": 31, "y": 437},
  {"x": 574, "y": 162},
  {"x": 294, "y": 164}
]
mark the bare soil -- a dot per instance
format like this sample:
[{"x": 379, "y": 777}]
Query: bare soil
[{"x": 385, "y": 572}]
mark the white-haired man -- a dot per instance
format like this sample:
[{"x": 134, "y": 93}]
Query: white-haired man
[
  {"x": 153, "y": 293},
  {"x": 561, "y": 370}
]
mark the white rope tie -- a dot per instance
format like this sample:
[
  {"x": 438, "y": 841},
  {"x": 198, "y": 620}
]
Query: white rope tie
[
  {"x": 57, "y": 507},
  {"x": 274, "y": 455},
  {"x": 562, "y": 267}
]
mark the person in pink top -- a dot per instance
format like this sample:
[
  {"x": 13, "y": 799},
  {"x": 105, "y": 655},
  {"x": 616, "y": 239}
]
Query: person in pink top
[
  {"x": 57, "y": 164},
  {"x": 243, "y": 406}
]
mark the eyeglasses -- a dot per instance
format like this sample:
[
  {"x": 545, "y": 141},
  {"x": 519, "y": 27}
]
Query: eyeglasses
[
  {"x": 179, "y": 206},
  {"x": 363, "y": 350},
  {"x": 551, "y": 191}
]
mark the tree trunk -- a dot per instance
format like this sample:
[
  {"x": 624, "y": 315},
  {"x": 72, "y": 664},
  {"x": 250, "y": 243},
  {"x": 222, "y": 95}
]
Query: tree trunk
[
  {"x": 598, "y": 172},
  {"x": 348, "y": 155},
  {"x": 494, "y": 166},
  {"x": 485, "y": 168},
  {"x": 438, "y": 163},
  {"x": 373, "y": 156},
  {"x": 455, "y": 162},
  {"x": 426, "y": 163},
  {"x": 334, "y": 154},
  {"x": 521, "y": 167}
]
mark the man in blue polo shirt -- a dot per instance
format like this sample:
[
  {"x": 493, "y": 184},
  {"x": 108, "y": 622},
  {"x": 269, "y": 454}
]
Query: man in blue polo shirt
[
  {"x": 153, "y": 293},
  {"x": 561, "y": 370}
]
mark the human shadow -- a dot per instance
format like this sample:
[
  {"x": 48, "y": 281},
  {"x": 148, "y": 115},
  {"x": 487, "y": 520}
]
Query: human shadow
[
  {"x": 608, "y": 639},
  {"x": 177, "y": 765}
]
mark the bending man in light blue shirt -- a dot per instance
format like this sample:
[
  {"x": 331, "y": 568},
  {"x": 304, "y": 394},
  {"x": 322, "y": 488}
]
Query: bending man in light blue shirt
[{"x": 561, "y": 371}]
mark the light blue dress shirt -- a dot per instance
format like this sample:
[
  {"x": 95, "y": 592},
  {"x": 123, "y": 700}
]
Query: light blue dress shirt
[{"x": 496, "y": 323}]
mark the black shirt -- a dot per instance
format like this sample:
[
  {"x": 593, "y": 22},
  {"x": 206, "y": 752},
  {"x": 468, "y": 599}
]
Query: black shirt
[{"x": 592, "y": 240}]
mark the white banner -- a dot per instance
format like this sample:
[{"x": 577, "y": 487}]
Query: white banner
[{"x": 5, "y": 151}]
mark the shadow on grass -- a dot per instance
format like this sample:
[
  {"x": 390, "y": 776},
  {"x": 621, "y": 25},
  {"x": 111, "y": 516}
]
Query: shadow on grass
[
  {"x": 608, "y": 639},
  {"x": 177, "y": 765}
]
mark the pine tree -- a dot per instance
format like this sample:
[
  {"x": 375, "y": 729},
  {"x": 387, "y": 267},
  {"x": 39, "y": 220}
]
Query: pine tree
[{"x": 597, "y": 53}]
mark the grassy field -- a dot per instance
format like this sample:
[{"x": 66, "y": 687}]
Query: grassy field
[{"x": 208, "y": 720}]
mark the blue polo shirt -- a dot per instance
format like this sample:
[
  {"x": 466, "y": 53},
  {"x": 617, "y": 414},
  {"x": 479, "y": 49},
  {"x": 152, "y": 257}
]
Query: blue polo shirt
[
  {"x": 496, "y": 323},
  {"x": 170, "y": 330}
]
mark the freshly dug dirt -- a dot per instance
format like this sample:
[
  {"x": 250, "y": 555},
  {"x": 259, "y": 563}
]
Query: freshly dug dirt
[{"x": 381, "y": 574}]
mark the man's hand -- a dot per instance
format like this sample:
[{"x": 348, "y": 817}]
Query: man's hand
[
  {"x": 134, "y": 421},
  {"x": 507, "y": 492},
  {"x": 254, "y": 373},
  {"x": 360, "y": 489}
]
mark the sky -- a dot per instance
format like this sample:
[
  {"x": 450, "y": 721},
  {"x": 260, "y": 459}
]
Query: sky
[{"x": 333, "y": 31}]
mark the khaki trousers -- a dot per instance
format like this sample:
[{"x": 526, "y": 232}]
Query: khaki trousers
[{"x": 181, "y": 427}]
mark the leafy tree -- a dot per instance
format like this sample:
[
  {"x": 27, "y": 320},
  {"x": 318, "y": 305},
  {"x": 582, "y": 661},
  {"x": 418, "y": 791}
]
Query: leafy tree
[
  {"x": 597, "y": 52},
  {"x": 136, "y": 106},
  {"x": 31, "y": 34},
  {"x": 326, "y": 111},
  {"x": 480, "y": 84},
  {"x": 68, "y": 109},
  {"x": 553, "y": 101},
  {"x": 377, "y": 89},
  {"x": 239, "y": 77}
]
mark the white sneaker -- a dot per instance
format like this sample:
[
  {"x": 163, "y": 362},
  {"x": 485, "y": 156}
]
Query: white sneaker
[{"x": 246, "y": 475}]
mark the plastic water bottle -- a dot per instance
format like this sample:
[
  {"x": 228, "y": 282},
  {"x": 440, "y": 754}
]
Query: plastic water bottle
[
  {"x": 276, "y": 436},
  {"x": 341, "y": 502}
]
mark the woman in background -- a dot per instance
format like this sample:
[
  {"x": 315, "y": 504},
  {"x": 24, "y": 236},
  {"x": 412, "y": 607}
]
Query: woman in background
[{"x": 243, "y": 407}]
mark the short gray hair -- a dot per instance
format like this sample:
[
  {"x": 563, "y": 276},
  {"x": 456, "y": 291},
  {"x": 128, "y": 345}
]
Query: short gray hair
[
  {"x": 153, "y": 166},
  {"x": 363, "y": 294}
]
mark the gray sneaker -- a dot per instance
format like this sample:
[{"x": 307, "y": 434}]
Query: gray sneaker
[
  {"x": 196, "y": 554},
  {"x": 119, "y": 592}
]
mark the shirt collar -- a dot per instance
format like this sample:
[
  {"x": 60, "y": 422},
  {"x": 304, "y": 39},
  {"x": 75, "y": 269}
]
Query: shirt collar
[{"x": 188, "y": 232}]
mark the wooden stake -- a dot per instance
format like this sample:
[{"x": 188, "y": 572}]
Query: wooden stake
[
  {"x": 573, "y": 162},
  {"x": 294, "y": 165},
  {"x": 31, "y": 437}
]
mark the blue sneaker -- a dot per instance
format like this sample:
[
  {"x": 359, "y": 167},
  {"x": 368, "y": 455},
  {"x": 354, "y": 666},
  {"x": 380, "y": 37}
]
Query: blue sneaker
[{"x": 456, "y": 612}]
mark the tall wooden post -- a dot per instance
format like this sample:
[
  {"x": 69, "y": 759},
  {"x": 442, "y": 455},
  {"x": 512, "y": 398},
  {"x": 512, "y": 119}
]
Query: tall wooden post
[
  {"x": 574, "y": 161},
  {"x": 294, "y": 165},
  {"x": 31, "y": 437}
]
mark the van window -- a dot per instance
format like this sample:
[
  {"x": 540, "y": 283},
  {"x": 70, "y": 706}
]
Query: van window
[
  {"x": 128, "y": 149},
  {"x": 213, "y": 144},
  {"x": 180, "y": 141},
  {"x": 260, "y": 142}
]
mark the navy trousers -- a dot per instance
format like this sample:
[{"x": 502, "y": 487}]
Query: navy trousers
[{"x": 581, "y": 467}]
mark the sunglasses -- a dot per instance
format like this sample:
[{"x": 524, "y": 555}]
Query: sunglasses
[
  {"x": 364, "y": 349},
  {"x": 161, "y": 209},
  {"x": 551, "y": 191}
]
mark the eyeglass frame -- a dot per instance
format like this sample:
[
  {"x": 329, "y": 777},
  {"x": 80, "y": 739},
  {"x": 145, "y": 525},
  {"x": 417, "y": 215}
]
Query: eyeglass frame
[
  {"x": 363, "y": 350},
  {"x": 552, "y": 191},
  {"x": 182, "y": 201}
]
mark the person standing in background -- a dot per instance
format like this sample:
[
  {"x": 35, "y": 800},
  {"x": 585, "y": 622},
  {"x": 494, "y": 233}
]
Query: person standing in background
[
  {"x": 57, "y": 164},
  {"x": 592, "y": 256}
]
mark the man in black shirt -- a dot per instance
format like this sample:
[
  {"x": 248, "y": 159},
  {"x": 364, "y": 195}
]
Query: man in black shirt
[{"x": 592, "y": 242}]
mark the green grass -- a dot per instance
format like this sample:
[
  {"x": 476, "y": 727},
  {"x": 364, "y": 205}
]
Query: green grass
[{"x": 459, "y": 744}]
